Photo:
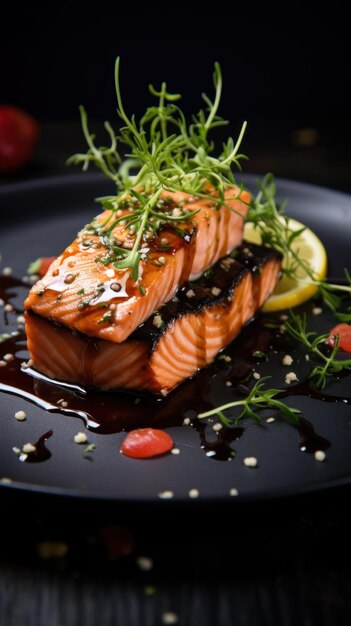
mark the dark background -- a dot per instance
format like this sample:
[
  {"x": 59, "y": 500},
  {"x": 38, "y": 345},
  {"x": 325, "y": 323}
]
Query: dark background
[{"x": 285, "y": 70}]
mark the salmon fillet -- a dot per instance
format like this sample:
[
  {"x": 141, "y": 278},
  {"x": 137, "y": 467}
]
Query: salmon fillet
[
  {"x": 84, "y": 291},
  {"x": 182, "y": 336}
]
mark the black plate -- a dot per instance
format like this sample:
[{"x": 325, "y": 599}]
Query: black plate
[{"x": 39, "y": 219}]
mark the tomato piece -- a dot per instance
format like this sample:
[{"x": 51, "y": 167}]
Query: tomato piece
[
  {"x": 18, "y": 137},
  {"x": 344, "y": 333},
  {"x": 45, "y": 264},
  {"x": 144, "y": 443}
]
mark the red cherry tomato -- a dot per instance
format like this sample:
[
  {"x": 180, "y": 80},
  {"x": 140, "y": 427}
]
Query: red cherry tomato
[
  {"x": 344, "y": 332},
  {"x": 45, "y": 263},
  {"x": 144, "y": 443},
  {"x": 18, "y": 137}
]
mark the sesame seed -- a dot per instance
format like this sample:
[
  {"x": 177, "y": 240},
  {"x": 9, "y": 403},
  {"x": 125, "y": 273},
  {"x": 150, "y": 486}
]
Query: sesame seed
[
  {"x": 194, "y": 493},
  {"x": 317, "y": 310},
  {"x": 290, "y": 377},
  {"x": 157, "y": 321},
  {"x": 116, "y": 287},
  {"x": 186, "y": 421},
  {"x": 8, "y": 357},
  {"x": 176, "y": 212},
  {"x": 228, "y": 383},
  {"x": 175, "y": 299},
  {"x": 164, "y": 241},
  {"x": 145, "y": 563},
  {"x": 20, "y": 319},
  {"x": 166, "y": 495},
  {"x": 8, "y": 308},
  {"x": 256, "y": 375},
  {"x": 119, "y": 213},
  {"x": 110, "y": 272},
  {"x": 128, "y": 245},
  {"x": 284, "y": 317},
  {"x": 270, "y": 420},
  {"x": 20, "y": 416},
  {"x": 169, "y": 618},
  {"x": 320, "y": 455},
  {"x": 28, "y": 448},
  {"x": 69, "y": 278},
  {"x": 162, "y": 260},
  {"x": 175, "y": 451},
  {"x": 7, "y": 271},
  {"x": 80, "y": 438},
  {"x": 217, "y": 426},
  {"x": 26, "y": 364},
  {"x": 307, "y": 357},
  {"x": 216, "y": 291},
  {"x": 190, "y": 293},
  {"x": 233, "y": 492},
  {"x": 164, "y": 392},
  {"x": 227, "y": 359},
  {"x": 287, "y": 360},
  {"x": 250, "y": 461},
  {"x": 16, "y": 450}
]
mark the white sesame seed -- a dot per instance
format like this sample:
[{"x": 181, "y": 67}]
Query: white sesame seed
[
  {"x": 176, "y": 212},
  {"x": 23, "y": 457},
  {"x": 233, "y": 492},
  {"x": 26, "y": 364},
  {"x": 216, "y": 291},
  {"x": 250, "y": 461},
  {"x": 284, "y": 317},
  {"x": 307, "y": 357},
  {"x": 2, "y": 302},
  {"x": 157, "y": 321},
  {"x": 166, "y": 495},
  {"x": 169, "y": 618},
  {"x": 175, "y": 299},
  {"x": 145, "y": 563},
  {"x": 119, "y": 213},
  {"x": 287, "y": 360},
  {"x": 164, "y": 241},
  {"x": 80, "y": 438},
  {"x": 164, "y": 392},
  {"x": 175, "y": 451},
  {"x": 16, "y": 450},
  {"x": 320, "y": 455},
  {"x": 28, "y": 448},
  {"x": 217, "y": 427},
  {"x": 270, "y": 420},
  {"x": 194, "y": 493},
  {"x": 228, "y": 383},
  {"x": 110, "y": 272},
  {"x": 227, "y": 359},
  {"x": 162, "y": 260},
  {"x": 317, "y": 310},
  {"x": 290, "y": 377},
  {"x": 64, "y": 404},
  {"x": 15, "y": 333},
  {"x": 8, "y": 308},
  {"x": 7, "y": 271},
  {"x": 186, "y": 421},
  {"x": 256, "y": 375},
  {"x": 2, "y": 363},
  {"x": 190, "y": 293},
  {"x": 20, "y": 416},
  {"x": 8, "y": 357}
]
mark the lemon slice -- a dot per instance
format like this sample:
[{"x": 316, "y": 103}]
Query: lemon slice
[{"x": 289, "y": 293}]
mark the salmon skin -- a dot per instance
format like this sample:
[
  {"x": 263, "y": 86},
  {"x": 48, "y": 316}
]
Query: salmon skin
[
  {"x": 183, "y": 336},
  {"x": 84, "y": 291}
]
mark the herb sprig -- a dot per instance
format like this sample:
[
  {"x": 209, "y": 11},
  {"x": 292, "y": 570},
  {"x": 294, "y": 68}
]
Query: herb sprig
[
  {"x": 270, "y": 219},
  {"x": 257, "y": 399},
  {"x": 164, "y": 154}
]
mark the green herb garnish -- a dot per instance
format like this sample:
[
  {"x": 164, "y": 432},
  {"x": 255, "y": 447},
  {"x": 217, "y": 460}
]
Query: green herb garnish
[
  {"x": 319, "y": 375},
  {"x": 257, "y": 399},
  {"x": 165, "y": 154}
]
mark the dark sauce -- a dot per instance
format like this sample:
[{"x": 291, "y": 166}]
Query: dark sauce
[
  {"x": 41, "y": 452},
  {"x": 111, "y": 412}
]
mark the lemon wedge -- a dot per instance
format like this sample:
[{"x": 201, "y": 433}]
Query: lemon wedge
[{"x": 289, "y": 293}]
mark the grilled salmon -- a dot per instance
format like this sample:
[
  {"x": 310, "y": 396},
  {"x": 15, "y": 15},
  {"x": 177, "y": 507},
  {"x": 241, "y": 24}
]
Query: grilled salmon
[
  {"x": 84, "y": 291},
  {"x": 184, "y": 335}
]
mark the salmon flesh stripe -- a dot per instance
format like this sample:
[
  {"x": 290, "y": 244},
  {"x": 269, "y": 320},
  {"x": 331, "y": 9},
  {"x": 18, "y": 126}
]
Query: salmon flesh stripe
[
  {"x": 84, "y": 291},
  {"x": 183, "y": 336}
]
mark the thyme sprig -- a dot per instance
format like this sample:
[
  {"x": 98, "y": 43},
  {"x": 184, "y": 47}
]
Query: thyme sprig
[
  {"x": 328, "y": 364},
  {"x": 165, "y": 153},
  {"x": 257, "y": 399},
  {"x": 273, "y": 224}
]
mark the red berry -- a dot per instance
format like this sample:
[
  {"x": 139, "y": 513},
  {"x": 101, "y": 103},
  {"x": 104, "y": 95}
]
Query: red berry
[
  {"x": 18, "y": 137},
  {"x": 144, "y": 443},
  {"x": 344, "y": 333}
]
